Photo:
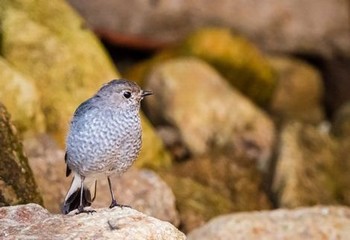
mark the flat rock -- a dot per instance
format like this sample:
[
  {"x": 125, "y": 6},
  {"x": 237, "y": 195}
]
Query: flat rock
[
  {"x": 118, "y": 223},
  {"x": 304, "y": 223}
]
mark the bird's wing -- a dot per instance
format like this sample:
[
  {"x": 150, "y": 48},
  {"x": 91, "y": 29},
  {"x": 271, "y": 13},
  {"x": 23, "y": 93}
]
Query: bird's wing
[
  {"x": 88, "y": 105},
  {"x": 68, "y": 170}
]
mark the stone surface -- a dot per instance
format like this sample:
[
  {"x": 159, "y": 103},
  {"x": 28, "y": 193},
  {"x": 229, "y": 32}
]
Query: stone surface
[
  {"x": 299, "y": 92},
  {"x": 34, "y": 221},
  {"x": 142, "y": 189},
  {"x": 310, "y": 27},
  {"x": 21, "y": 98},
  {"x": 304, "y": 223},
  {"x": 17, "y": 184},
  {"x": 308, "y": 167},
  {"x": 207, "y": 112}
]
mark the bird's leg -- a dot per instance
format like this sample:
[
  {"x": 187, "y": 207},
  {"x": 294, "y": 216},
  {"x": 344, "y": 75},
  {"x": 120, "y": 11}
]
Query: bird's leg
[
  {"x": 114, "y": 202},
  {"x": 81, "y": 206}
]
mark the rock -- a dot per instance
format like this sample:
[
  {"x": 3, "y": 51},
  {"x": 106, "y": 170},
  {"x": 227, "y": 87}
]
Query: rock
[
  {"x": 17, "y": 185},
  {"x": 307, "y": 162},
  {"x": 142, "y": 189},
  {"x": 299, "y": 92},
  {"x": 217, "y": 117},
  {"x": 21, "y": 98},
  {"x": 49, "y": 44},
  {"x": 303, "y": 223},
  {"x": 237, "y": 179},
  {"x": 196, "y": 203},
  {"x": 239, "y": 61},
  {"x": 313, "y": 28},
  {"x": 34, "y": 221}
]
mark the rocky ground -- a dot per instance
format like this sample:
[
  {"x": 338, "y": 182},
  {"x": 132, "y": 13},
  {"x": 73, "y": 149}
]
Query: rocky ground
[{"x": 33, "y": 221}]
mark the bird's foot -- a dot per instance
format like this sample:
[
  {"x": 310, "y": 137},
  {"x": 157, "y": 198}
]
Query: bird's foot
[
  {"x": 82, "y": 210},
  {"x": 115, "y": 204}
]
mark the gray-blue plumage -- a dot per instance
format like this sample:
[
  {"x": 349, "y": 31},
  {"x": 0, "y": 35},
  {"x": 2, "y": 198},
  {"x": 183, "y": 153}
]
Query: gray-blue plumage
[{"x": 104, "y": 137}]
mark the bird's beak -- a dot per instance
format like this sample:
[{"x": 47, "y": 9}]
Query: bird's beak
[{"x": 146, "y": 93}]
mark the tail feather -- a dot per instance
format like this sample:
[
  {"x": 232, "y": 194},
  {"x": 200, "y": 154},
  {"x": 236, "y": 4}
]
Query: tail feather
[{"x": 72, "y": 200}]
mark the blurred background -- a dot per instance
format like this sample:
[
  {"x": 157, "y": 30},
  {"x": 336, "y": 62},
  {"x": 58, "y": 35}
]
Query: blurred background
[{"x": 251, "y": 109}]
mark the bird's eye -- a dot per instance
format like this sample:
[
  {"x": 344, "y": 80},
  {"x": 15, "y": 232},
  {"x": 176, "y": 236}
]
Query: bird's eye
[{"x": 127, "y": 94}]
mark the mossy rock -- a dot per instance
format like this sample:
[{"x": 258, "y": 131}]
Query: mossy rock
[
  {"x": 17, "y": 184},
  {"x": 299, "y": 92},
  {"x": 308, "y": 168},
  {"x": 238, "y": 60},
  {"x": 21, "y": 98}
]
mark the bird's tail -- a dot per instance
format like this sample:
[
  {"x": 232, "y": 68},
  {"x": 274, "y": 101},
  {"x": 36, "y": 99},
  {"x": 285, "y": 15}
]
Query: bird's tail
[{"x": 72, "y": 199}]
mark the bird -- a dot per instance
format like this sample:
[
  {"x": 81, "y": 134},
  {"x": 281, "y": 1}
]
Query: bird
[{"x": 104, "y": 139}]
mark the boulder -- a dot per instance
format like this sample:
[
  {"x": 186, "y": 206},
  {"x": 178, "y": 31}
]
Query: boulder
[
  {"x": 17, "y": 184},
  {"x": 21, "y": 98},
  {"x": 299, "y": 92},
  {"x": 307, "y": 167},
  {"x": 207, "y": 112},
  {"x": 304, "y": 223},
  {"x": 142, "y": 189},
  {"x": 117, "y": 223},
  {"x": 308, "y": 27}
]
